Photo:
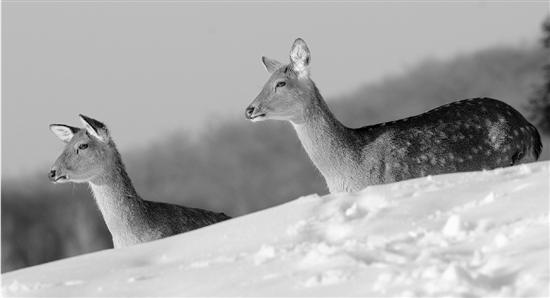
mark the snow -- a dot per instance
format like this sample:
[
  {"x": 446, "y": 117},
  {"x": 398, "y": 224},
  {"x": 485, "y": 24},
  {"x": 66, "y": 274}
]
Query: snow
[{"x": 463, "y": 234}]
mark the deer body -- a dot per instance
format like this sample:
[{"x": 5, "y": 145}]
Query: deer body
[
  {"x": 467, "y": 135},
  {"x": 91, "y": 156}
]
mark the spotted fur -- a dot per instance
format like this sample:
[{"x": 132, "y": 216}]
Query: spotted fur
[{"x": 466, "y": 135}]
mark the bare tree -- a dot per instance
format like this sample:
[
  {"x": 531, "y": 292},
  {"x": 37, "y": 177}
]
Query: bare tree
[{"x": 539, "y": 103}]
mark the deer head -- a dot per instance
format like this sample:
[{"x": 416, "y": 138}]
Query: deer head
[
  {"x": 289, "y": 93},
  {"x": 86, "y": 152}
]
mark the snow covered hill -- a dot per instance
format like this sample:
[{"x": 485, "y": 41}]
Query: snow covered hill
[{"x": 464, "y": 234}]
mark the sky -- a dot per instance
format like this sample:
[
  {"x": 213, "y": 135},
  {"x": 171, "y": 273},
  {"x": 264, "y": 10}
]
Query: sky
[{"x": 146, "y": 69}]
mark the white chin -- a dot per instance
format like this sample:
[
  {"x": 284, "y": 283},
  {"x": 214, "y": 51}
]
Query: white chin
[
  {"x": 78, "y": 180},
  {"x": 258, "y": 119}
]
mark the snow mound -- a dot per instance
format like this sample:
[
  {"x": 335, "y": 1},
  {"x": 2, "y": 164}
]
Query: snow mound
[{"x": 463, "y": 234}]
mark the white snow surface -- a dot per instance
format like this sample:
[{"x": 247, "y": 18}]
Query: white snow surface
[{"x": 463, "y": 234}]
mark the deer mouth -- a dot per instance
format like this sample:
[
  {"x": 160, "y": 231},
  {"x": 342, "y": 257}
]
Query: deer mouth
[
  {"x": 256, "y": 118},
  {"x": 60, "y": 179},
  {"x": 254, "y": 114}
]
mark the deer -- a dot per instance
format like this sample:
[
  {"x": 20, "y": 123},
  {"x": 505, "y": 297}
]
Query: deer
[
  {"x": 91, "y": 156},
  {"x": 472, "y": 134}
]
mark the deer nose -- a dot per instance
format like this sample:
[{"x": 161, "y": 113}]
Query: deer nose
[
  {"x": 249, "y": 112},
  {"x": 51, "y": 175}
]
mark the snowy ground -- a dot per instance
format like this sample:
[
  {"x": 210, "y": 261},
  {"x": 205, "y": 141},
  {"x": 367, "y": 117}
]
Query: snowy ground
[{"x": 468, "y": 234}]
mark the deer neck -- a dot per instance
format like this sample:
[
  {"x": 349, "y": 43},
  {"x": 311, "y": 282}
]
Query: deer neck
[
  {"x": 327, "y": 141},
  {"x": 117, "y": 199}
]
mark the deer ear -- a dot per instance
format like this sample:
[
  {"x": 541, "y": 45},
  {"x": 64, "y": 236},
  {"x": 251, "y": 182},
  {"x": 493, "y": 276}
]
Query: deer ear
[
  {"x": 64, "y": 132},
  {"x": 300, "y": 57},
  {"x": 271, "y": 64},
  {"x": 95, "y": 128}
]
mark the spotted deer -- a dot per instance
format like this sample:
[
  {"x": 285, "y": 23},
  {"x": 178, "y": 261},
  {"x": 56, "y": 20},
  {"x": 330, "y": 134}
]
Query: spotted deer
[
  {"x": 467, "y": 135},
  {"x": 90, "y": 155}
]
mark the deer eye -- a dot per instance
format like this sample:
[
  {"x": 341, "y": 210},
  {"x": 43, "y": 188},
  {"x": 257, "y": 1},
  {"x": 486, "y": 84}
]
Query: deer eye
[
  {"x": 281, "y": 84},
  {"x": 82, "y": 146}
]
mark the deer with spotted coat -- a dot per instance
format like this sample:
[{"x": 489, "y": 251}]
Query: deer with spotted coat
[
  {"x": 90, "y": 155},
  {"x": 467, "y": 135}
]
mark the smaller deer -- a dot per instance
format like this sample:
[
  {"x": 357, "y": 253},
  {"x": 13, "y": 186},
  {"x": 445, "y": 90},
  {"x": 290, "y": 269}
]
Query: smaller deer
[
  {"x": 90, "y": 155},
  {"x": 468, "y": 135}
]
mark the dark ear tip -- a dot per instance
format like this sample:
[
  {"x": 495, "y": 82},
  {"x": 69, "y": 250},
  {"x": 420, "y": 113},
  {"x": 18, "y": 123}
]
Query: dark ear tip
[
  {"x": 91, "y": 120},
  {"x": 299, "y": 41}
]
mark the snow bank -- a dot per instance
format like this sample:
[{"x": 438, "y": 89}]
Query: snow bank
[{"x": 464, "y": 234}]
